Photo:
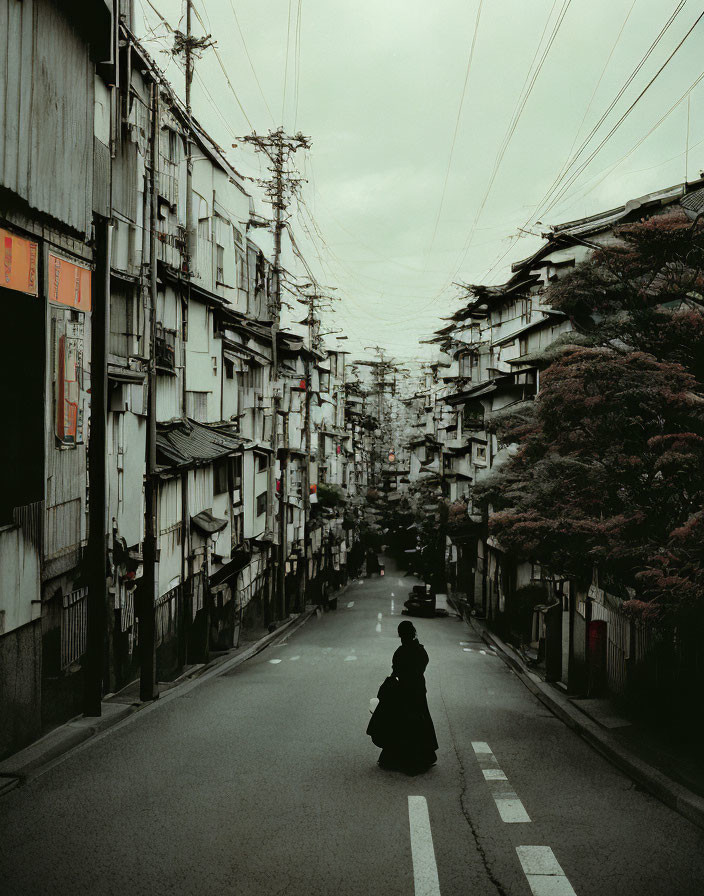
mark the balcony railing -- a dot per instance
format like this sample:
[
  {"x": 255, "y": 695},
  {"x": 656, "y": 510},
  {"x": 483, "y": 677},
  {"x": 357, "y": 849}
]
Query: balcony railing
[
  {"x": 74, "y": 626},
  {"x": 165, "y": 348}
]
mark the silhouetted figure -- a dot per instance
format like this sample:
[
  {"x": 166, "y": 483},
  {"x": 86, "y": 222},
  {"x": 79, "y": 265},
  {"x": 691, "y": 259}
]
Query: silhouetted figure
[
  {"x": 372, "y": 563},
  {"x": 401, "y": 723}
]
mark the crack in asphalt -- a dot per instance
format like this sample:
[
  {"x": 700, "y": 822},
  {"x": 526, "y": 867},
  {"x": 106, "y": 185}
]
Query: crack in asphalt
[{"x": 468, "y": 818}]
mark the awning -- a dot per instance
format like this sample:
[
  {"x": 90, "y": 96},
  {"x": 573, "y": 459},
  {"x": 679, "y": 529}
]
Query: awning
[
  {"x": 207, "y": 523},
  {"x": 125, "y": 375}
]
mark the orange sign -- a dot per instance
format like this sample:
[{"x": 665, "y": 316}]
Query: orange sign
[
  {"x": 19, "y": 263},
  {"x": 68, "y": 283}
]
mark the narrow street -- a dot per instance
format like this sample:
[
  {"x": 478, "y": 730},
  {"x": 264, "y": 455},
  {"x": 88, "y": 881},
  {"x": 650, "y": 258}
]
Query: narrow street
[{"x": 262, "y": 781}]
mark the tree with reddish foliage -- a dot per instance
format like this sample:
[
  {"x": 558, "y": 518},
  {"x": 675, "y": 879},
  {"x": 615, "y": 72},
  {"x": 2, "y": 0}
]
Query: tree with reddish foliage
[{"x": 609, "y": 469}]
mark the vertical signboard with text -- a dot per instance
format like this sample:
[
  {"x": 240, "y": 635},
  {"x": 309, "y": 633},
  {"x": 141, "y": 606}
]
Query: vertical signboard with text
[{"x": 69, "y": 285}]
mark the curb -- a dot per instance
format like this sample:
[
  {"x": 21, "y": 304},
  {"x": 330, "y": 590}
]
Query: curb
[
  {"x": 672, "y": 794},
  {"x": 80, "y": 732}
]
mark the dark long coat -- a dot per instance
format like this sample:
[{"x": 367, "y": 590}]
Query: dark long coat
[{"x": 401, "y": 723}]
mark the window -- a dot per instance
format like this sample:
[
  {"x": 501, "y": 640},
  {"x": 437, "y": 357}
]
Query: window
[
  {"x": 262, "y": 463},
  {"x": 237, "y": 530},
  {"x": 220, "y": 274},
  {"x": 237, "y": 472},
  {"x": 229, "y": 370},
  {"x": 522, "y": 345},
  {"x": 324, "y": 381},
  {"x": 261, "y": 504},
  {"x": 468, "y": 364},
  {"x": 197, "y": 406},
  {"x": 221, "y": 470},
  {"x": 480, "y": 454},
  {"x": 165, "y": 348},
  {"x": 121, "y": 320}
]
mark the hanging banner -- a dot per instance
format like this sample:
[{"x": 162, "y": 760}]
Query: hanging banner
[
  {"x": 19, "y": 263},
  {"x": 68, "y": 283}
]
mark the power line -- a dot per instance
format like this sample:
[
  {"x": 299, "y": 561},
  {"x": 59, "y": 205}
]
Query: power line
[
  {"x": 457, "y": 124},
  {"x": 222, "y": 66},
  {"x": 574, "y": 157},
  {"x": 531, "y": 78},
  {"x": 624, "y": 116},
  {"x": 568, "y": 160},
  {"x": 288, "y": 44},
  {"x": 558, "y": 180},
  {"x": 297, "y": 68},
  {"x": 249, "y": 58}
]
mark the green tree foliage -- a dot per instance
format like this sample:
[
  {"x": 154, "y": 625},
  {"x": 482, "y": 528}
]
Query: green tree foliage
[{"x": 609, "y": 468}]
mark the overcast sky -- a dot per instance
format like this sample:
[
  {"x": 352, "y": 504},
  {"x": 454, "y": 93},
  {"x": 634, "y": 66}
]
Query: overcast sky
[{"x": 377, "y": 85}]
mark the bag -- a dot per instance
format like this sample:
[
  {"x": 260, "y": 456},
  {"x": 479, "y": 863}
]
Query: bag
[
  {"x": 389, "y": 688},
  {"x": 383, "y": 722}
]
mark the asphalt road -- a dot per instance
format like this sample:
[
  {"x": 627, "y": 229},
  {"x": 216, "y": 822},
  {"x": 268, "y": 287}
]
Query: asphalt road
[{"x": 262, "y": 781}]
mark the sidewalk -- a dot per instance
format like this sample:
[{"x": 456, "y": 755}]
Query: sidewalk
[
  {"x": 670, "y": 770},
  {"x": 117, "y": 708}
]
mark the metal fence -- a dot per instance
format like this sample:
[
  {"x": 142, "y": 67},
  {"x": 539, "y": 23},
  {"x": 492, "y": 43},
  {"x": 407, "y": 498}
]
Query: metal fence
[
  {"x": 166, "y": 615},
  {"x": 646, "y": 660},
  {"x": 74, "y": 621}
]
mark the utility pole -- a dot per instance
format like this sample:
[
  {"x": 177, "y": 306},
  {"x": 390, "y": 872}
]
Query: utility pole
[
  {"x": 189, "y": 47},
  {"x": 280, "y": 186},
  {"x": 97, "y": 472},
  {"x": 307, "y": 433},
  {"x": 149, "y": 590}
]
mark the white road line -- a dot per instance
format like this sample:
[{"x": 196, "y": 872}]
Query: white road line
[
  {"x": 378, "y": 627},
  {"x": 468, "y": 649},
  {"x": 543, "y": 872},
  {"x": 349, "y": 659},
  {"x": 379, "y": 616},
  {"x": 350, "y": 604},
  {"x": 392, "y": 594},
  {"x": 483, "y": 652},
  {"x": 274, "y": 662},
  {"x": 425, "y": 871},
  {"x": 293, "y": 658},
  {"x": 510, "y": 808}
]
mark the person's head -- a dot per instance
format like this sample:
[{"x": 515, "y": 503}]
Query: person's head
[{"x": 406, "y": 631}]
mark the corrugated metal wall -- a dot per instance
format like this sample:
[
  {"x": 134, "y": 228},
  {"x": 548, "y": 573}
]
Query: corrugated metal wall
[{"x": 46, "y": 101}]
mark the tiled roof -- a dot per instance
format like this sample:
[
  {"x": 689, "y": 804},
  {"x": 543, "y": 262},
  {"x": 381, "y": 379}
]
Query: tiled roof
[
  {"x": 693, "y": 203},
  {"x": 188, "y": 443}
]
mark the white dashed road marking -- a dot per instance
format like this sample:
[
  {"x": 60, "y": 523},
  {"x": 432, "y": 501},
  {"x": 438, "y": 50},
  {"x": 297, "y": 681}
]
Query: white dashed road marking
[
  {"x": 295, "y": 658},
  {"x": 350, "y": 604},
  {"x": 274, "y": 662},
  {"x": 379, "y": 616},
  {"x": 425, "y": 871},
  {"x": 349, "y": 659},
  {"x": 543, "y": 872},
  {"x": 510, "y": 808},
  {"x": 378, "y": 627}
]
